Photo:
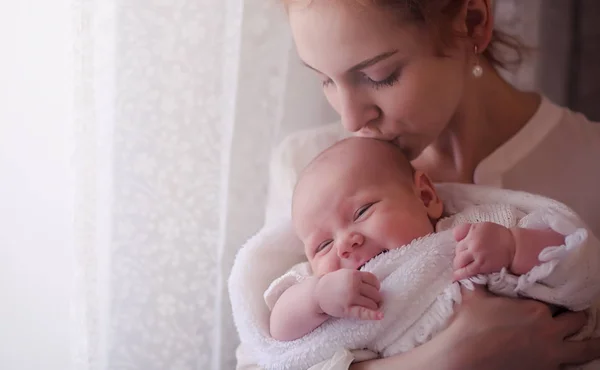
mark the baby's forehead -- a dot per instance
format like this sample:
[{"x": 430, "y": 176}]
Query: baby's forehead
[
  {"x": 360, "y": 155},
  {"x": 349, "y": 167}
]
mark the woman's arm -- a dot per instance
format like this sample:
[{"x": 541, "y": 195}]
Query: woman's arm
[
  {"x": 495, "y": 333},
  {"x": 431, "y": 355}
]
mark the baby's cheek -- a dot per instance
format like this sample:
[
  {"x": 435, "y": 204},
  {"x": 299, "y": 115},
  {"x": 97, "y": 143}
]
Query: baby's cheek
[
  {"x": 403, "y": 230},
  {"x": 325, "y": 266}
]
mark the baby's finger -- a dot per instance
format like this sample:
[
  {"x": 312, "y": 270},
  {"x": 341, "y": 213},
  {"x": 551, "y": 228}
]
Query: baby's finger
[
  {"x": 370, "y": 279},
  {"x": 471, "y": 269},
  {"x": 462, "y": 259},
  {"x": 370, "y": 292},
  {"x": 460, "y": 232},
  {"x": 462, "y": 246},
  {"x": 364, "y": 302},
  {"x": 365, "y": 313}
]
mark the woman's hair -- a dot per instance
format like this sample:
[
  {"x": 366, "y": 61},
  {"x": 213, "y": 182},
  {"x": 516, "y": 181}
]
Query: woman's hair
[{"x": 437, "y": 16}]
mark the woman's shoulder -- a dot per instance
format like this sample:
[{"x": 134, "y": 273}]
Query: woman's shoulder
[
  {"x": 553, "y": 120},
  {"x": 564, "y": 165},
  {"x": 574, "y": 138},
  {"x": 556, "y": 155},
  {"x": 553, "y": 133},
  {"x": 577, "y": 125}
]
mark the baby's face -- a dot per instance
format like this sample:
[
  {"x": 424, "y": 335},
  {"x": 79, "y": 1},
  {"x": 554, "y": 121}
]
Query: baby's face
[{"x": 354, "y": 207}]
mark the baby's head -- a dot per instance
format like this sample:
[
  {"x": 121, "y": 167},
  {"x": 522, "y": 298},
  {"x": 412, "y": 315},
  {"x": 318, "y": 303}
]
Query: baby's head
[{"x": 358, "y": 199}]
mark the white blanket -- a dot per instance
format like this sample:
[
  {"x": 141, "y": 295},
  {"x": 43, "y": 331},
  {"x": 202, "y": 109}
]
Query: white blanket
[{"x": 416, "y": 282}]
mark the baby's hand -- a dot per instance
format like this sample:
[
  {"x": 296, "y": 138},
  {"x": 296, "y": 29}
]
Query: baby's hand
[
  {"x": 482, "y": 248},
  {"x": 349, "y": 293}
]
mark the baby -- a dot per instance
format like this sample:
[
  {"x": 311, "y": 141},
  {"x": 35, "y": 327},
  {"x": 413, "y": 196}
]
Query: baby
[{"x": 361, "y": 198}]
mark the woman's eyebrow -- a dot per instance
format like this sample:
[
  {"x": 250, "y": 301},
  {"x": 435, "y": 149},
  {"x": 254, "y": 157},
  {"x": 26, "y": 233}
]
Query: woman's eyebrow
[
  {"x": 364, "y": 64},
  {"x": 369, "y": 62}
]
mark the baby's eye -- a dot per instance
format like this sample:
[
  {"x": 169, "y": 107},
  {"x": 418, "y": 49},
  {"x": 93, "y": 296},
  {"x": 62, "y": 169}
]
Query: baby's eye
[
  {"x": 361, "y": 211},
  {"x": 324, "y": 245}
]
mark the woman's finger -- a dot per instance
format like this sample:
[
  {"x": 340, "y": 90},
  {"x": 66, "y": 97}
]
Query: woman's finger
[
  {"x": 568, "y": 324},
  {"x": 370, "y": 279},
  {"x": 579, "y": 352},
  {"x": 370, "y": 292},
  {"x": 480, "y": 293}
]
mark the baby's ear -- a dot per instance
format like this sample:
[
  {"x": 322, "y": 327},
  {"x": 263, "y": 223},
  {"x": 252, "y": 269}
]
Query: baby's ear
[{"x": 426, "y": 192}]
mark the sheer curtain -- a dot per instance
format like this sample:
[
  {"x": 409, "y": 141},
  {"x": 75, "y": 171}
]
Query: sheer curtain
[
  {"x": 171, "y": 111},
  {"x": 181, "y": 103}
]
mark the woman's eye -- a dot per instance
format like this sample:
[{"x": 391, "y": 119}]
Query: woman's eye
[
  {"x": 386, "y": 82},
  {"x": 361, "y": 211},
  {"x": 326, "y": 82},
  {"x": 323, "y": 245}
]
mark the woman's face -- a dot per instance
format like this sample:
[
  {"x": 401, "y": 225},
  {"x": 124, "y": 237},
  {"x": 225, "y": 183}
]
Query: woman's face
[{"x": 386, "y": 80}]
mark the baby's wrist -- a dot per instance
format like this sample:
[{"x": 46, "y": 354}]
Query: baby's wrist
[
  {"x": 525, "y": 255},
  {"x": 314, "y": 296},
  {"x": 529, "y": 243},
  {"x": 512, "y": 246}
]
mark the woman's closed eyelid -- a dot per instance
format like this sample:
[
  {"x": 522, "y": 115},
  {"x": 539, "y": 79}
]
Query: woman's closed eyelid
[
  {"x": 381, "y": 73},
  {"x": 374, "y": 78},
  {"x": 363, "y": 78},
  {"x": 390, "y": 80}
]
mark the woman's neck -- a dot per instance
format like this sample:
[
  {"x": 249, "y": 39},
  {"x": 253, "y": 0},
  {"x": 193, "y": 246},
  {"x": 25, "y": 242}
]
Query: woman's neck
[{"x": 491, "y": 113}]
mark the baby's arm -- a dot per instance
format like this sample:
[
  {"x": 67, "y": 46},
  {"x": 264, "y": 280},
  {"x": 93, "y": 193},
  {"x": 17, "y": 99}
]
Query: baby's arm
[
  {"x": 297, "y": 313},
  {"x": 306, "y": 305},
  {"x": 488, "y": 247},
  {"x": 529, "y": 243}
]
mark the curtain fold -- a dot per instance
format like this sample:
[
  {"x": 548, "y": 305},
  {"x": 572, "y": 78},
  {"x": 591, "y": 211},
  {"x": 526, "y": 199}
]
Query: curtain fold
[
  {"x": 178, "y": 107},
  {"x": 94, "y": 106}
]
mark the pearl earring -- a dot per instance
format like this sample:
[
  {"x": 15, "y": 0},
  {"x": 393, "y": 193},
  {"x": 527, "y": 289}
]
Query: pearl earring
[{"x": 477, "y": 69}]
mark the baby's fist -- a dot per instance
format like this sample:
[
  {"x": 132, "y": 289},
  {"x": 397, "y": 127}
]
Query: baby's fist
[
  {"x": 482, "y": 248},
  {"x": 349, "y": 293}
]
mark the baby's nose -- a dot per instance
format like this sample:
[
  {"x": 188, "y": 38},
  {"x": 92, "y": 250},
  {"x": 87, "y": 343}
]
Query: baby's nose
[{"x": 352, "y": 241}]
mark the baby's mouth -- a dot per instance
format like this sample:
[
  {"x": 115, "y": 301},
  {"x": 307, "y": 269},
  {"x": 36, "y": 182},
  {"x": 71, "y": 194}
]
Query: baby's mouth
[{"x": 378, "y": 254}]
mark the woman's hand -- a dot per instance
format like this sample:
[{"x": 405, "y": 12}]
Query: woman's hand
[
  {"x": 496, "y": 333},
  {"x": 490, "y": 332}
]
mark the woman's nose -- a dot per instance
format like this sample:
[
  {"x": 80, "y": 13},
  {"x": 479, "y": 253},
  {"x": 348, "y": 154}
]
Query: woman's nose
[
  {"x": 349, "y": 243},
  {"x": 357, "y": 110}
]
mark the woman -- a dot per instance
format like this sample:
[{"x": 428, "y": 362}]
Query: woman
[{"x": 421, "y": 73}]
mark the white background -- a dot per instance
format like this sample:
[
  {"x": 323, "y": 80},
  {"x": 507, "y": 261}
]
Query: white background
[{"x": 35, "y": 184}]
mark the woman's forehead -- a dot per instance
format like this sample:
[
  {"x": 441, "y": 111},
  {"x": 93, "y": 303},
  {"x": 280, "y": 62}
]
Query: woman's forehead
[{"x": 333, "y": 33}]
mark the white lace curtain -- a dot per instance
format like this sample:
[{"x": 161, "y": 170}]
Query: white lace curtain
[
  {"x": 180, "y": 105},
  {"x": 173, "y": 108}
]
